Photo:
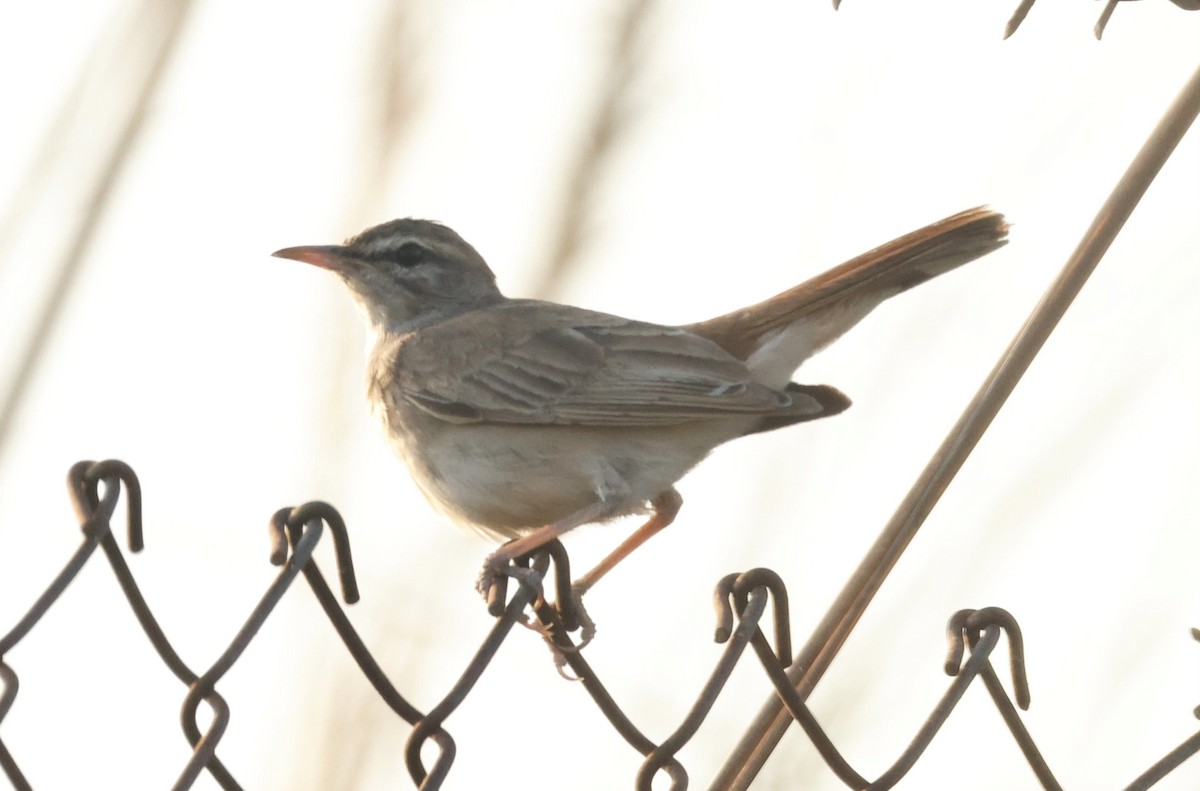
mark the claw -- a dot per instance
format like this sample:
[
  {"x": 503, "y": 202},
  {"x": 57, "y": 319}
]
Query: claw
[
  {"x": 587, "y": 627},
  {"x": 491, "y": 584},
  {"x": 560, "y": 661},
  {"x": 488, "y": 577},
  {"x": 491, "y": 580}
]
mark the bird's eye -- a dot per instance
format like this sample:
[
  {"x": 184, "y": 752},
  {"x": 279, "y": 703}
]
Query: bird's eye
[{"x": 409, "y": 254}]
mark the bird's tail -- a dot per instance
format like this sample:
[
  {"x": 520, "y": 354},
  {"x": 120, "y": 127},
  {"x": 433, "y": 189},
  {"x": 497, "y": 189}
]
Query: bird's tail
[{"x": 778, "y": 334}]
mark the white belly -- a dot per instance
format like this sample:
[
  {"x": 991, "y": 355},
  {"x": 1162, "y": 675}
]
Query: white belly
[{"x": 508, "y": 480}]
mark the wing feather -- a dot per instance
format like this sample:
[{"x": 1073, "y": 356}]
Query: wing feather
[{"x": 539, "y": 363}]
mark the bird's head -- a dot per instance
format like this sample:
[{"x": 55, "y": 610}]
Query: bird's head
[{"x": 406, "y": 273}]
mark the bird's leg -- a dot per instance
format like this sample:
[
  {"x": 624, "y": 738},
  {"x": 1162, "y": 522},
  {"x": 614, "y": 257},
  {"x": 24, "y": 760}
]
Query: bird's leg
[
  {"x": 499, "y": 563},
  {"x": 665, "y": 507}
]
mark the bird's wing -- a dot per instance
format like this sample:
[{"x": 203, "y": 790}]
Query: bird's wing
[{"x": 539, "y": 363}]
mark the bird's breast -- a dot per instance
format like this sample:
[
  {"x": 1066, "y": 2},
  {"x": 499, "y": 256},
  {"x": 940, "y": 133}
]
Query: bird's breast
[{"x": 509, "y": 479}]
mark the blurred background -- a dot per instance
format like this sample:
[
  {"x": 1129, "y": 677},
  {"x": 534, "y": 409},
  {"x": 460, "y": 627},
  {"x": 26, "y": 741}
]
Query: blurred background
[{"x": 657, "y": 159}]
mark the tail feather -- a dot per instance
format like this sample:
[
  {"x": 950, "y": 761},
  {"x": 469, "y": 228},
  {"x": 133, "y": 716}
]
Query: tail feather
[{"x": 829, "y": 304}]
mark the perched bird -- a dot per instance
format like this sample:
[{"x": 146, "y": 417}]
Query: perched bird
[{"x": 526, "y": 419}]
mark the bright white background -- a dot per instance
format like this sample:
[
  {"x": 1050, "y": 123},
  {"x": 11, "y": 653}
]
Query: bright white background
[{"x": 758, "y": 144}]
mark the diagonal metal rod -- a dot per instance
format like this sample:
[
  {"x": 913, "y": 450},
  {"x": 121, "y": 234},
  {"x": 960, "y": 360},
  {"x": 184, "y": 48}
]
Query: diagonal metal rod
[{"x": 818, "y": 653}]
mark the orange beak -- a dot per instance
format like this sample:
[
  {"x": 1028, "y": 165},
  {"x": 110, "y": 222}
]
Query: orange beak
[{"x": 330, "y": 256}]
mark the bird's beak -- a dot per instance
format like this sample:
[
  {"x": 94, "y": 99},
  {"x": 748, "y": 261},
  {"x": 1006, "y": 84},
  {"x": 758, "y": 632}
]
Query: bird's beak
[{"x": 330, "y": 256}]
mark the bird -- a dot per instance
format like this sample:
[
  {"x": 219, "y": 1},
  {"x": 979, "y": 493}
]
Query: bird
[{"x": 525, "y": 419}]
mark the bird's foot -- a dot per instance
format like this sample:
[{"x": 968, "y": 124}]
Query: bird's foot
[
  {"x": 582, "y": 621},
  {"x": 491, "y": 585},
  {"x": 587, "y": 627},
  {"x": 490, "y": 582},
  {"x": 560, "y": 658}
]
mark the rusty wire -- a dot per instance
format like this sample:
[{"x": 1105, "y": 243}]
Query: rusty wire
[{"x": 741, "y": 602}]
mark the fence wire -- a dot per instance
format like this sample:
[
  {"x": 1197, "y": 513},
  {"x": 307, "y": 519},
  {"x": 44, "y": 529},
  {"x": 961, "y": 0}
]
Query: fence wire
[{"x": 741, "y": 603}]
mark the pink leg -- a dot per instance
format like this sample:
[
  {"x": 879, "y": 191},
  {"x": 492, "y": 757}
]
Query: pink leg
[
  {"x": 497, "y": 563},
  {"x": 665, "y": 507}
]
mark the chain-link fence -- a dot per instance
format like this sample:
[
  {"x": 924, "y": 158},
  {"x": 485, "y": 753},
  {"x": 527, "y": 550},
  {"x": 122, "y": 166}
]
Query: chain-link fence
[{"x": 741, "y": 600}]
